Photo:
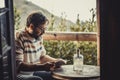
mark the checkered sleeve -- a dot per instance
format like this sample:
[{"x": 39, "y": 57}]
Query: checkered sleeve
[{"x": 19, "y": 51}]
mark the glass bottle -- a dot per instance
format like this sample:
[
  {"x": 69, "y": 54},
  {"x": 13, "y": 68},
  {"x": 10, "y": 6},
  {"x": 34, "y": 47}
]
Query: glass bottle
[{"x": 78, "y": 61}]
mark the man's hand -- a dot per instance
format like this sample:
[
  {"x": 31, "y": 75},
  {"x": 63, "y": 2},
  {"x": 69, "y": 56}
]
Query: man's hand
[
  {"x": 59, "y": 63},
  {"x": 48, "y": 66}
]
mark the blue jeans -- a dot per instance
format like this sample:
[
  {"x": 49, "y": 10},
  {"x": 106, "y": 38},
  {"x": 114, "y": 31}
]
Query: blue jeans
[
  {"x": 44, "y": 75},
  {"x": 28, "y": 77}
]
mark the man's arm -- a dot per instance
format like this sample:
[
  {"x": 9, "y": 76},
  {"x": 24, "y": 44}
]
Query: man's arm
[
  {"x": 35, "y": 67},
  {"x": 31, "y": 67},
  {"x": 57, "y": 62},
  {"x": 47, "y": 58}
]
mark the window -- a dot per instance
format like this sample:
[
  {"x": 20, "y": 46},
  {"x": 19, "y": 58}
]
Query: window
[{"x": 7, "y": 60}]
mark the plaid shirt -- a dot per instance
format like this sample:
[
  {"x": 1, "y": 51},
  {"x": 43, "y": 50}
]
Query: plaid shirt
[{"x": 28, "y": 49}]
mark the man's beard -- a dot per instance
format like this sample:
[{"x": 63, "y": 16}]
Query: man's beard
[{"x": 34, "y": 35}]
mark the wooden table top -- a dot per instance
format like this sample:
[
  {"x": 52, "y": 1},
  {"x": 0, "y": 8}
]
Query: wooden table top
[{"x": 66, "y": 71}]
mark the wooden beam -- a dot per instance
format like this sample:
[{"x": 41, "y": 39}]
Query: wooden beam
[
  {"x": 70, "y": 36},
  {"x": 98, "y": 33}
]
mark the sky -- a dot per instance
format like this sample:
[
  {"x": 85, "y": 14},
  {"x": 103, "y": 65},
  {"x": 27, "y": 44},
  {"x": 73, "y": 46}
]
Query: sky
[
  {"x": 1, "y": 3},
  {"x": 69, "y": 8}
]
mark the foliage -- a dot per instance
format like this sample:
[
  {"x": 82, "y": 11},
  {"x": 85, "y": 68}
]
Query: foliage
[
  {"x": 60, "y": 49},
  {"x": 16, "y": 18},
  {"x": 51, "y": 23},
  {"x": 66, "y": 49},
  {"x": 85, "y": 26}
]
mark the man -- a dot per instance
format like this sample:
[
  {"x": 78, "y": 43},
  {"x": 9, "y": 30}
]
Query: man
[{"x": 31, "y": 58}]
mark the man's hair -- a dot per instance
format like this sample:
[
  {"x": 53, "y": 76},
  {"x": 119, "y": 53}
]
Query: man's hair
[{"x": 36, "y": 18}]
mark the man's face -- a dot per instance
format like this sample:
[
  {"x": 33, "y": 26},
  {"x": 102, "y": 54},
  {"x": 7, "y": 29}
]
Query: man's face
[
  {"x": 38, "y": 31},
  {"x": 41, "y": 29}
]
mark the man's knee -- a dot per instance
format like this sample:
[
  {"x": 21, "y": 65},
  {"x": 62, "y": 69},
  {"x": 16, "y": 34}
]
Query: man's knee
[{"x": 25, "y": 77}]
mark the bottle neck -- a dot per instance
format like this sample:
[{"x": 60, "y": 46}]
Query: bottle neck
[{"x": 78, "y": 52}]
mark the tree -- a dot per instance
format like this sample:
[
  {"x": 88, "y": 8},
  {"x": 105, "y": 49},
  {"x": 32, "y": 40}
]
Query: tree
[
  {"x": 52, "y": 20},
  {"x": 16, "y": 18}
]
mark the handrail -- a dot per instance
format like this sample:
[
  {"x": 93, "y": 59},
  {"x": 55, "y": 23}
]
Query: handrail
[{"x": 73, "y": 36}]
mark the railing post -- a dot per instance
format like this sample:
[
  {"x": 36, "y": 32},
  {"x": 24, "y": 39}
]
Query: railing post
[{"x": 98, "y": 34}]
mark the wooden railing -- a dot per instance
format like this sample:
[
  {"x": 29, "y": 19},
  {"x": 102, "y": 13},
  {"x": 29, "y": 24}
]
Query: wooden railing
[{"x": 74, "y": 36}]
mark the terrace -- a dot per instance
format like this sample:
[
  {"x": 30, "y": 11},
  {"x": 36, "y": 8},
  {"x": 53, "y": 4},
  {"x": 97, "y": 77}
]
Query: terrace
[{"x": 107, "y": 39}]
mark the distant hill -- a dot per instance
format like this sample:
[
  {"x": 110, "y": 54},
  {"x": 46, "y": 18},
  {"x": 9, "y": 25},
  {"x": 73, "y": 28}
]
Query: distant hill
[{"x": 25, "y": 8}]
